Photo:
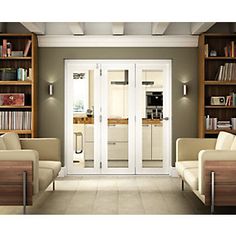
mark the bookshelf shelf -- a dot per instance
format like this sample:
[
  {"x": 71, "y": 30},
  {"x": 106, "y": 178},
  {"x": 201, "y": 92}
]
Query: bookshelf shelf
[
  {"x": 217, "y": 77},
  {"x": 220, "y": 107},
  {"x": 16, "y": 131},
  {"x": 15, "y": 83},
  {"x": 15, "y": 107},
  {"x": 220, "y": 58},
  {"x": 220, "y": 82},
  {"x": 24, "y": 67},
  {"x": 218, "y": 130},
  {"x": 15, "y": 58}
]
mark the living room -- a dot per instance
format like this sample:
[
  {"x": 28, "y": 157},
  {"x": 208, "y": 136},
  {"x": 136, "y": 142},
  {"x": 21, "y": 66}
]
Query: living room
[{"x": 110, "y": 105}]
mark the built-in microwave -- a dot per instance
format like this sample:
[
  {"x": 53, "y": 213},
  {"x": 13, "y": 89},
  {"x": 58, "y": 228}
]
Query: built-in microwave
[{"x": 154, "y": 99}]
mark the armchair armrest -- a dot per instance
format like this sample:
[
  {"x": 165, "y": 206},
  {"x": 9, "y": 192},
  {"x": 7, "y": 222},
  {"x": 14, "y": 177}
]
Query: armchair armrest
[
  {"x": 48, "y": 148},
  {"x": 211, "y": 155},
  {"x": 187, "y": 149},
  {"x": 24, "y": 155}
]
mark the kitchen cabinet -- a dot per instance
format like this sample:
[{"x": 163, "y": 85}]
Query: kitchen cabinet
[
  {"x": 157, "y": 142},
  {"x": 88, "y": 141},
  {"x": 118, "y": 142},
  {"x": 147, "y": 142}
]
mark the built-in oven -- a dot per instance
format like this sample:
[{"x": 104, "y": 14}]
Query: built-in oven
[{"x": 154, "y": 105}]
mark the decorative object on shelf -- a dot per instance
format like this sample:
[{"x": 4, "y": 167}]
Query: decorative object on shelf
[
  {"x": 50, "y": 89},
  {"x": 185, "y": 90},
  {"x": 218, "y": 101},
  {"x": 12, "y": 99},
  {"x": 213, "y": 53},
  {"x": 7, "y": 74},
  {"x": 17, "y": 53},
  {"x": 233, "y": 122}
]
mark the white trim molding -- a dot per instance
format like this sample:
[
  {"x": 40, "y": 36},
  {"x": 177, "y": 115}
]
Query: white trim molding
[{"x": 118, "y": 41}]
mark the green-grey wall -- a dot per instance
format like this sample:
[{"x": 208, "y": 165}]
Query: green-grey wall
[{"x": 51, "y": 68}]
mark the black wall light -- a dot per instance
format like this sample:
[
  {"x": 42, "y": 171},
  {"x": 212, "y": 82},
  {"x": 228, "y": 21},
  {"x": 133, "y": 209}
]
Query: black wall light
[
  {"x": 50, "y": 89},
  {"x": 185, "y": 90}
]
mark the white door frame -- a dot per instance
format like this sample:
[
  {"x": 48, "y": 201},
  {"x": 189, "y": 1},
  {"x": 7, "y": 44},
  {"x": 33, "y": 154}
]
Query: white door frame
[
  {"x": 165, "y": 66},
  {"x": 94, "y": 64}
]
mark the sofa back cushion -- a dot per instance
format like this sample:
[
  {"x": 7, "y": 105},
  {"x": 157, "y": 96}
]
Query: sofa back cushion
[
  {"x": 11, "y": 141},
  {"x": 2, "y": 144},
  {"x": 224, "y": 141}
]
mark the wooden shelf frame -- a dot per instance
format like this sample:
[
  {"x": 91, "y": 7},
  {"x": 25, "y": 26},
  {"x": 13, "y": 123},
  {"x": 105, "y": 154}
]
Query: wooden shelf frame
[
  {"x": 15, "y": 58},
  {"x": 27, "y": 82},
  {"x": 28, "y": 87},
  {"x": 208, "y": 67}
]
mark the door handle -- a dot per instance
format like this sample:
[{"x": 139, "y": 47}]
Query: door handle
[
  {"x": 166, "y": 118},
  {"x": 76, "y": 142}
]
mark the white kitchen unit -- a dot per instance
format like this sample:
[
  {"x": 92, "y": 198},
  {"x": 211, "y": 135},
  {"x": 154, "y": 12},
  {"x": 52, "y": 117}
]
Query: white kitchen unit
[
  {"x": 157, "y": 142},
  {"x": 147, "y": 142},
  {"x": 121, "y": 116}
]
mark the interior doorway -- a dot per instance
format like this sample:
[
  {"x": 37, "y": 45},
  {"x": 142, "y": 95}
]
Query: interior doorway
[{"x": 118, "y": 117}]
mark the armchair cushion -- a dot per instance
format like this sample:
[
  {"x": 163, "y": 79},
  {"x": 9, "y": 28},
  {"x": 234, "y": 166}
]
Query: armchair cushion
[
  {"x": 191, "y": 177},
  {"x": 233, "y": 146},
  {"x": 224, "y": 141},
  {"x": 2, "y": 144},
  {"x": 11, "y": 141},
  {"x": 45, "y": 178},
  {"x": 181, "y": 166},
  {"x": 55, "y": 166}
]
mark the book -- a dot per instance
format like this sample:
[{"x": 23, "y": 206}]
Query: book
[
  {"x": 232, "y": 48},
  {"x": 12, "y": 99},
  {"x": 27, "y": 47},
  {"x": 4, "y": 48},
  {"x": 206, "y": 50}
]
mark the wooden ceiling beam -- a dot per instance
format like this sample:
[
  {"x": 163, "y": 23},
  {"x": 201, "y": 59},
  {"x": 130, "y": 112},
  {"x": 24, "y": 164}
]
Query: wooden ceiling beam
[
  {"x": 76, "y": 28},
  {"x": 118, "y": 28},
  {"x": 35, "y": 27},
  {"x": 200, "y": 27},
  {"x": 159, "y": 27}
]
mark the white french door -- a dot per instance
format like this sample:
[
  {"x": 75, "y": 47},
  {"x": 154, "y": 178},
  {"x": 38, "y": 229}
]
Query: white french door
[
  {"x": 110, "y": 127},
  {"x": 118, "y": 114},
  {"x": 153, "y": 117}
]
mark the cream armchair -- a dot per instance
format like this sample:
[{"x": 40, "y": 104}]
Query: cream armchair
[
  {"x": 44, "y": 155},
  {"x": 208, "y": 166}
]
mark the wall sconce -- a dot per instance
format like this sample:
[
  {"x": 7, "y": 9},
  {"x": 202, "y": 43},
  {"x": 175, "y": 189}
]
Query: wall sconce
[
  {"x": 50, "y": 89},
  {"x": 185, "y": 90}
]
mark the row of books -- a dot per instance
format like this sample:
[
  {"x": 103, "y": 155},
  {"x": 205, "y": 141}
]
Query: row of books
[
  {"x": 214, "y": 124},
  {"x": 229, "y": 50},
  {"x": 226, "y": 72},
  {"x": 15, "y": 120},
  {"x": 231, "y": 100},
  {"x": 24, "y": 74},
  {"x": 6, "y": 49}
]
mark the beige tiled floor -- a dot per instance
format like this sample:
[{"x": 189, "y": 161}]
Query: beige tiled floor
[{"x": 119, "y": 194}]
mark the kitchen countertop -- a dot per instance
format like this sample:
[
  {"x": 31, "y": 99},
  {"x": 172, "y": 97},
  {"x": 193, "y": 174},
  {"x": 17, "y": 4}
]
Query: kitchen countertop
[{"x": 90, "y": 120}]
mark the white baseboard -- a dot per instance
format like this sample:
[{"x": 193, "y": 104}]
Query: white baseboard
[
  {"x": 63, "y": 172},
  {"x": 173, "y": 172}
]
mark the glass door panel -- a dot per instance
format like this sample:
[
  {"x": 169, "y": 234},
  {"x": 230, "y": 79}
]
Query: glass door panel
[
  {"x": 150, "y": 107},
  {"x": 119, "y": 154},
  {"x": 85, "y": 128}
]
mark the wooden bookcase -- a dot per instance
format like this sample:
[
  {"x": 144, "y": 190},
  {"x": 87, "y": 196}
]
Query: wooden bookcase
[
  {"x": 10, "y": 113},
  {"x": 209, "y": 85}
]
